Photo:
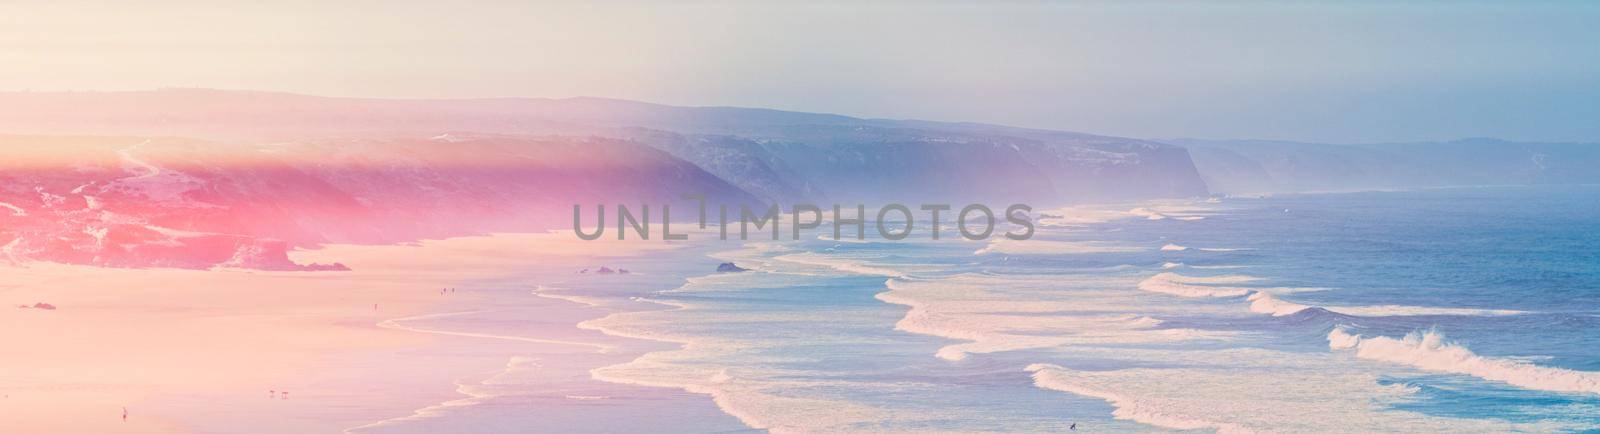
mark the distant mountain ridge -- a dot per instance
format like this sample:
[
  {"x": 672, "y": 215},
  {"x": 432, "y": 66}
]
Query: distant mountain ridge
[
  {"x": 200, "y": 178},
  {"x": 777, "y": 155}
]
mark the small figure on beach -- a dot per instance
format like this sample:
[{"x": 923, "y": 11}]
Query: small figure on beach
[
  {"x": 284, "y": 395},
  {"x": 1073, "y": 427},
  {"x": 124, "y": 414}
]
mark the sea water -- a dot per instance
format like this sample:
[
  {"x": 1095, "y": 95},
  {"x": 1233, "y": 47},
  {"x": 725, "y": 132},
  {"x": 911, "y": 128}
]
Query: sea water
[{"x": 1450, "y": 309}]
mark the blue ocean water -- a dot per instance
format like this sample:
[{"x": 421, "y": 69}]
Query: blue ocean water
[
  {"x": 1468, "y": 309},
  {"x": 1232, "y": 316}
]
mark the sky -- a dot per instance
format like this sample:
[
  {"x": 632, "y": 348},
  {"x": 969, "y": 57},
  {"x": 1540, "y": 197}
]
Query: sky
[{"x": 1328, "y": 72}]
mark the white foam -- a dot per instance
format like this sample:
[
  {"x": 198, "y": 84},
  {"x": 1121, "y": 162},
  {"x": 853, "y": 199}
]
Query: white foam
[
  {"x": 1430, "y": 351},
  {"x": 1340, "y": 339},
  {"x": 746, "y": 400},
  {"x": 1043, "y": 247},
  {"x": 556, "y": 294},
  {"x": 1173, "y": 248},
  {"x": 838, "y": 263},
  {"x": 1190, "y": 286},
  {"x": 1143, "y": 411},
  {"x": 474, "y": 396},
  {"x": 1261, "y": 302},
  {"x": 1256, "y": 390},
  {"x": 962, "y": 308},
  {"x": 1147, "y": 213},
  {"x": 699, "y": 366},
  {"x": 1181, "y": 213},
  {"x": 1171, "y": 265},
  {"x": 750, "y": 392}
]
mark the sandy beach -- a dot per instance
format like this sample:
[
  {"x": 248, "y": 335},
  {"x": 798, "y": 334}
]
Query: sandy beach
[{"x": 253, "y": 351}]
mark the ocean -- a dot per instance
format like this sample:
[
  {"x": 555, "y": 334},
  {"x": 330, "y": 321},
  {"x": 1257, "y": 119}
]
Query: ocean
[{"x": 1460, "y": 309}]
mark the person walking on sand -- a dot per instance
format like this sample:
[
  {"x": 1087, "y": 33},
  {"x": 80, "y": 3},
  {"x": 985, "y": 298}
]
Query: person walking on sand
[{"x": 124, "y": 414}]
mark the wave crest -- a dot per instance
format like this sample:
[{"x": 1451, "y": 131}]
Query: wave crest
[
  {"x": 1196, "y": 287},
  {"x": 1261, "y": 302},
  {"x": 1430, "y": 351}
]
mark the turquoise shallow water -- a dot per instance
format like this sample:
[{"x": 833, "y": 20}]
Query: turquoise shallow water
[{"x": 1468, "y": 309}]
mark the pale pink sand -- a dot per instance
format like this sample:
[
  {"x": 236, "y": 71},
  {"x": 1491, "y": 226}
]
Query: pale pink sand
[{"x": 182, "y": 348}]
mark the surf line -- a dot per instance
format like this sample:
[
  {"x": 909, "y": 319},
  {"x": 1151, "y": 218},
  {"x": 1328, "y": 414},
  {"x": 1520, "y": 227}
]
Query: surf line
[{"x": 396, "y": 325}]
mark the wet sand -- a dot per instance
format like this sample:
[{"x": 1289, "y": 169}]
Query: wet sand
[{"x": 210, "y": 351}]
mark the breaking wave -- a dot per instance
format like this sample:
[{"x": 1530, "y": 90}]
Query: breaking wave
[
  {"x": 1262, "y": 302},
  {"x": 1429, "y": 350}
]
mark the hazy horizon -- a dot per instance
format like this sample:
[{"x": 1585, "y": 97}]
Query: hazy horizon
[{"x": 1345, "y": 73}]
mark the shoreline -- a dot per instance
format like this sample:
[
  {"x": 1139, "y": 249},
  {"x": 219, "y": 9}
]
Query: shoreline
[
  {"x": 202, "y": 350},
  {"x": 720, "y": 398},
  {"x": 548, "y": 361}
]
